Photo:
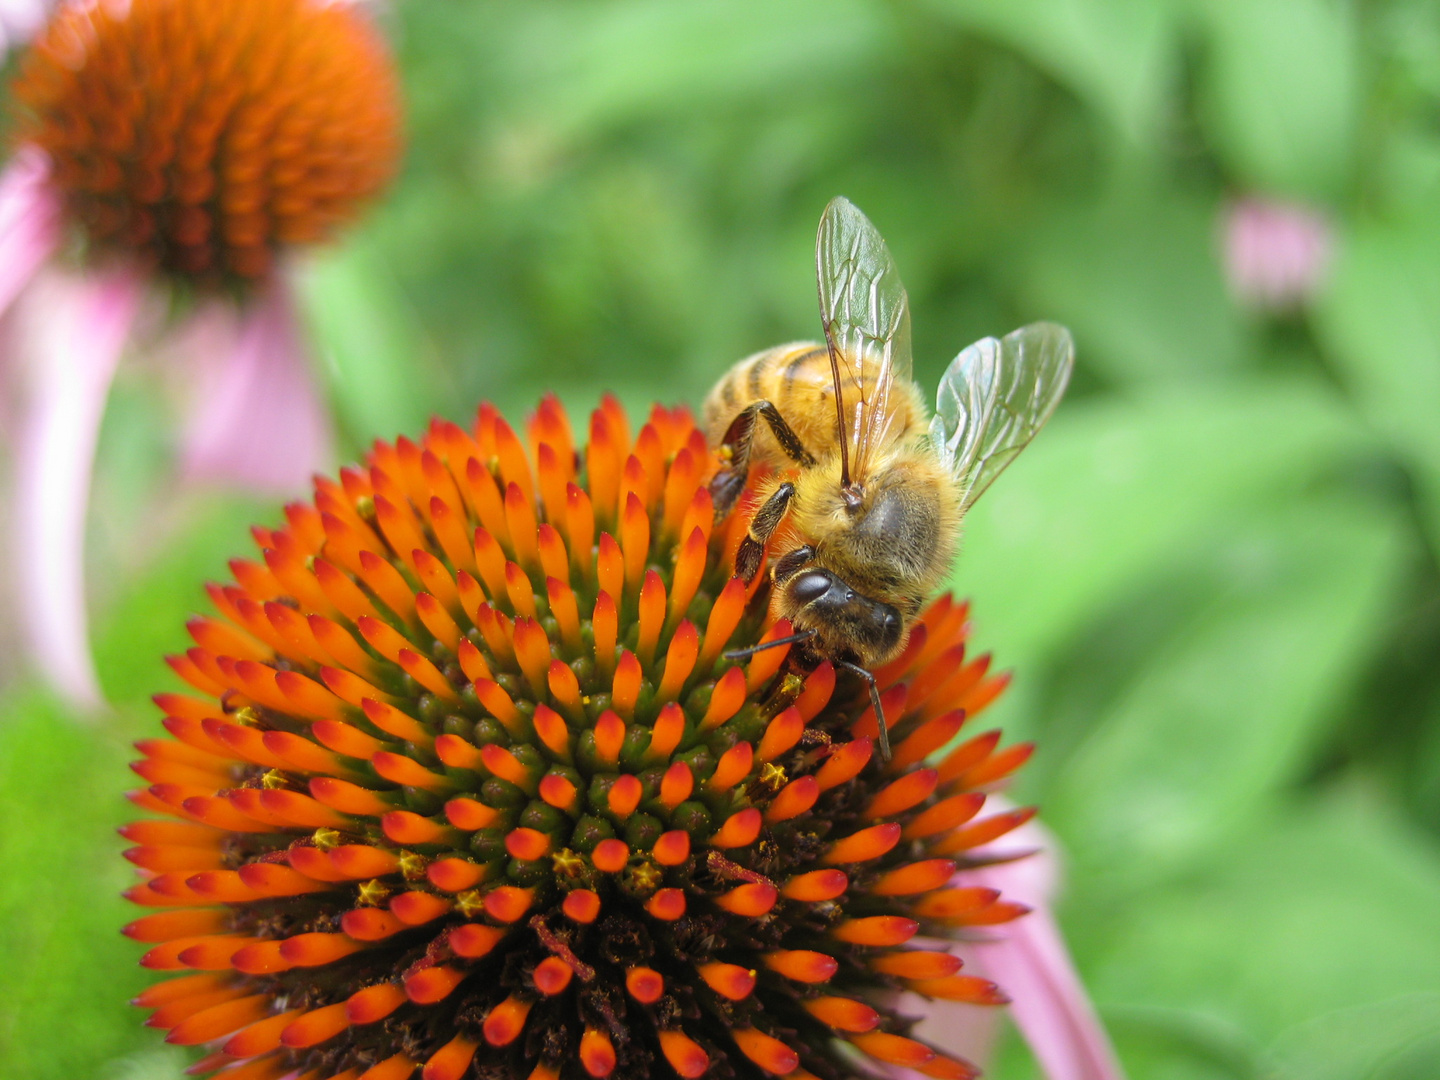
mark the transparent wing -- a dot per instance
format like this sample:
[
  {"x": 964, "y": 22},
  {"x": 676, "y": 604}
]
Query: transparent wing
[
  {"x": 994, "y": 397},
  {"x": 867, "y": 325}
]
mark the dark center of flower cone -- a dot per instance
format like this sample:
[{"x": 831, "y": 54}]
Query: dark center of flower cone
[
  {"x": 470, "y": 789},
  {"x": 200, "y": 135}
]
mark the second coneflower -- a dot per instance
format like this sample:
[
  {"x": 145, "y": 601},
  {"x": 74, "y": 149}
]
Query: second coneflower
[
  {"x": 165, "y": 142},
  {"x": 468, "y": 787}
]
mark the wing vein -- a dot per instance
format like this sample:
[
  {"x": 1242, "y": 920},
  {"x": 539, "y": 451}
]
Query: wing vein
[
  {"x": 994, "y": 397},
  {"x": 864, "y": 311}
]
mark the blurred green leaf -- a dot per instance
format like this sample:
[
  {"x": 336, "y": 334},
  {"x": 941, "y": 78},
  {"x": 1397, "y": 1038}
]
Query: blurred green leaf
[
  {"x": 146, "y": 618},
  {"x": 1382, "y": 1040},
  {"x": 1226, "y": 707},
  {"x": 166, "y": 1063},
  {"x": 1119, "y": 55},
  {"x": 1153, "y": 1044},
  {"x": 135, "y": 457},
  {"x": 1112, "y": 487},
  {"x": 1330, "y": 905},
  {"x": 381, "y": 377},
  {"x": 1404, "y": 44},
  {"x": 69, "y": 973},
  {"x": 1137, "y": 277},
  {"x": 1409, "y": 168},
  {"x": 1381, "y": 320},
  {"x": 679, "y": 57},
  {"x": 1417, "y": 1060},
  {"x": 61, "y": 786},
  {"x": 1280, "y": 91},
  {"x": 1177, "y": 1044}
]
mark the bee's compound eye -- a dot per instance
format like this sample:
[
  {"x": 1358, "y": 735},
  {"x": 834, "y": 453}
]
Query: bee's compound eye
[
  {"x": 890, "y": 624},
  {"x": 809, "y": 586}
]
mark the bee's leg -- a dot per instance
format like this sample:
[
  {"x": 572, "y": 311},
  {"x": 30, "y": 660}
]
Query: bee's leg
[
  {"x": 766, "y": 520},
  {"x": 785, "y": 435},
  {"x": 729, "y": 482},
  {"x": 773, "y": 643},
  {"x": 791, "y": 563},
  {"x": 883, "y": 746}
]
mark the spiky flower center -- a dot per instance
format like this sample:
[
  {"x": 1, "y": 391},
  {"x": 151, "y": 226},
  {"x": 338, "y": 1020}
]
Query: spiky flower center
[
  {"x": 471, "y": 789},
  {"x": 201, "y": 135}
]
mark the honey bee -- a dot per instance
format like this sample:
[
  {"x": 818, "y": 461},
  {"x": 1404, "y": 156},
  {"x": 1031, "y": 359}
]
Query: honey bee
[{"x": 872, "y": 487}]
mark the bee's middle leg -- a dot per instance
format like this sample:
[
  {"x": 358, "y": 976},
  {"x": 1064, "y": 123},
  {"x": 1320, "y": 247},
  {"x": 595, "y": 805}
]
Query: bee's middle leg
[
  {"x": 766, "y": 520},
  {"x": 729, "y": 482}
]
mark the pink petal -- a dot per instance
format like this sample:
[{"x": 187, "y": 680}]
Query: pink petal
[
  {"x": 1028, "y": 958},
  {"x": 85, "y": 324},
  {"x": 257, "y": 421},
  {"x": 966, "y": 1032},
  {"x": 29, "y": 221},
  {"x": 1030, "y": 961},
  {"x": 19, "y": 19}
]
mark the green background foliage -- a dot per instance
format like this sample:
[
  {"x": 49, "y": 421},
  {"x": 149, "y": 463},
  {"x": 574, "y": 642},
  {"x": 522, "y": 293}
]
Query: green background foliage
[{"x": 1215, "y": 574}]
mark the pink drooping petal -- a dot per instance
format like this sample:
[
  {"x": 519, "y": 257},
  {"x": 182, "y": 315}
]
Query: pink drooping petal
[
  {"x": 257, "y": 420},
  {"x": 1029, "y": 959},
  {"x": 966, "y": 1032},
  {"x": 29, "y": 221},
  {"x": 1276, "y": 252},
  {"x": 79, "y": 339},
  {"x": 19, "y": 19}
]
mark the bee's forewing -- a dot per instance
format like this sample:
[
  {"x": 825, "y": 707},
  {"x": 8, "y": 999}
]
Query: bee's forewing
[
  {"x": 867, "y": 323},
  {"x": 994, "y": 397}
]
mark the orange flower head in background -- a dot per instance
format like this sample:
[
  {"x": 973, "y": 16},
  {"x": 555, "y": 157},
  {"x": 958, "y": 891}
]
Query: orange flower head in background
[
  {"x": 165, "y": 141},
  {"x": 467, "y": 786},
  {"x": 203, "y": 135}
]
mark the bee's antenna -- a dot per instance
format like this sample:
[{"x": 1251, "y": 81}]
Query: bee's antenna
[
  {"x": 741, "y": 654},
  {"x": 883, "y": 746}
]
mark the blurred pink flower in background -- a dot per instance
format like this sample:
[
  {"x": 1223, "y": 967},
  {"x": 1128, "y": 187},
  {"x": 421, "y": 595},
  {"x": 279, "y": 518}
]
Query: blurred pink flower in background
[
  {"x": 1276, "y": 252},
  {"x": 19, "y": 19},
  {"x": 1029, "y": 958},
  {"x": 127, "y": 198},
  {"x": 254, "y": 418},
  {"x": 247, "y": 364}
]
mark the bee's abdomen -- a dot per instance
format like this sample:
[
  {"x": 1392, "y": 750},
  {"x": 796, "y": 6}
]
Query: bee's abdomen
[{"x": 796, "y": 379}]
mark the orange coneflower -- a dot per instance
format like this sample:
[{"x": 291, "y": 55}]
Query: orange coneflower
[
  {"x": 165, "y": 142},
  {"x": 467, "y": 786}
]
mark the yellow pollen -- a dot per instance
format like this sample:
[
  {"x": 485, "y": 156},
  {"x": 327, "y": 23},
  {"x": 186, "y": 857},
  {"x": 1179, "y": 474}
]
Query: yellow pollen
[
  {"x": 642, "y": 878},
  {"x": 373, "y": 892},
  {"x": 470, "y": 903},
  {"x": 568, "y": 864}
]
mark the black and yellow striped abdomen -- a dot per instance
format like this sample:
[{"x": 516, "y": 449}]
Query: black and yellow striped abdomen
[{"x": 797, "y": 380}]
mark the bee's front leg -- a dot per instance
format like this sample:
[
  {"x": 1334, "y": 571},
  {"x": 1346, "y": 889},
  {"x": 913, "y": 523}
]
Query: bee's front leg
[
  {"x": 766, "y": 520},
  {"x": 791, "y": 563}
]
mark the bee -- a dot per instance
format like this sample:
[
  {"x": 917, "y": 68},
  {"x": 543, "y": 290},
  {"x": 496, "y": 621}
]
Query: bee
[{"x": 872, "y": 487}]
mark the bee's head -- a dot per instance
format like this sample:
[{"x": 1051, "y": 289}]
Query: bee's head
[{"x": 845, "y": 622}]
